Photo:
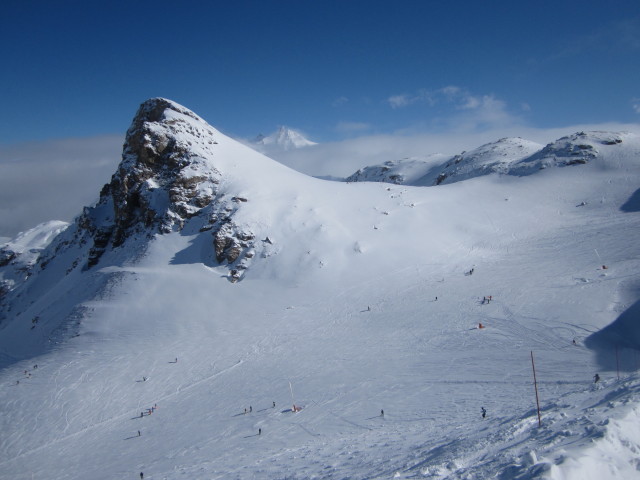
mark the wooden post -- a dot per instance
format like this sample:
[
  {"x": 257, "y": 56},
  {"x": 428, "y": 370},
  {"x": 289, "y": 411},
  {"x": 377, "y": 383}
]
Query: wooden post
[{"x": 535, "y": 385}]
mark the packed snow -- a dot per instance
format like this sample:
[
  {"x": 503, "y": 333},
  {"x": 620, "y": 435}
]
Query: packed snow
[{"x": 388, "y": 315}]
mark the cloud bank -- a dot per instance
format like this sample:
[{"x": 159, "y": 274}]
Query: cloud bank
[{"x": 53, "y": 180}]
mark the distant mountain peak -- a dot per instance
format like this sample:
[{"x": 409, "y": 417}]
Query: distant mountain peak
[{"x": 284, "y": 138}]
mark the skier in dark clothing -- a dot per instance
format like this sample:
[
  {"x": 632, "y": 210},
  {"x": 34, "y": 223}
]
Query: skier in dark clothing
[
  {"x": 141, "y": 475},
  {"x": 259, "y": 431},
  {"x": 484, "y": 412},
  {"x": 596, "y": 378},
  {"x": 382, "y": 413}
]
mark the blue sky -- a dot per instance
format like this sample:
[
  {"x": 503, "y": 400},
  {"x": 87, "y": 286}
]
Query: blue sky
[{"x": 333, "y": 69}]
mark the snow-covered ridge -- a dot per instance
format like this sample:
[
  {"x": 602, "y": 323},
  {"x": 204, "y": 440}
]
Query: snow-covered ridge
[
  {"x": 18, "y": 256},
  {"x": 509, "y": 156},
  {"x": 406, "y": 171}
]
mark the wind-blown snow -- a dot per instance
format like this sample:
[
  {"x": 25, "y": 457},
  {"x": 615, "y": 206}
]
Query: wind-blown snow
[{"x": 359, "y": 299}]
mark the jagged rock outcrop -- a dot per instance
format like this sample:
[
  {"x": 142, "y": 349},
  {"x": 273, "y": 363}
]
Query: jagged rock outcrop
[{"x": 167, "y": 176}]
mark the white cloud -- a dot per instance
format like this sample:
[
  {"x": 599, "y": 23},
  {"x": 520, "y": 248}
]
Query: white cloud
[
  {"x": 635, "y": 104},
  {"x": 457, "y": 97},
  {"x": 399, "y": 101}
]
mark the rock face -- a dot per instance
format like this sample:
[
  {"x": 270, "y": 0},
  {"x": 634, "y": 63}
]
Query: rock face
[
  {"x": 169, "y": 180},
  {"x": 167, "y": 177}
]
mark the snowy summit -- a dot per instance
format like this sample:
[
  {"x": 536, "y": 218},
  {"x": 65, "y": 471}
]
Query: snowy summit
[
  {"x": 284, "y": 139},
  {"x": 215, "y": 314}
]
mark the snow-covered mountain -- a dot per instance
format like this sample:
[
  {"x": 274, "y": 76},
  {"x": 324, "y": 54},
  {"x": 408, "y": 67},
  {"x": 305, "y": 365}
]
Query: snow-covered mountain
[
  {"x": 174, "y": 325},
  {"x": 282, "y": 139},
  {"x": 510, "y": 156}
]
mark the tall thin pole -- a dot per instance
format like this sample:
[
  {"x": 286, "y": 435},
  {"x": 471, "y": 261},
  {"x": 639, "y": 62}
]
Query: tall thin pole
[{"x": 535, "y": 385}]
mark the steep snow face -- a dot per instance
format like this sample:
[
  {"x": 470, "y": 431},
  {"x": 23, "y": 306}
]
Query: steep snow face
[{"x": 284, "y": 138}]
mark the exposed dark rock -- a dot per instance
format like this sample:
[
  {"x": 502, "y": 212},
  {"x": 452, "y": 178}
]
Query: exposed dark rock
[{"x": 6, "y": 256}]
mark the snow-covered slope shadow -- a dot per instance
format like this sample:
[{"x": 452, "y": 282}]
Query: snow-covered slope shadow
[
  {"x": 617, "y": 346},
  {"x": 633, "y": 204}
]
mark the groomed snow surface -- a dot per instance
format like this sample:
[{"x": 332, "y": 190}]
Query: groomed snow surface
[{"x": 362, "y": 302}]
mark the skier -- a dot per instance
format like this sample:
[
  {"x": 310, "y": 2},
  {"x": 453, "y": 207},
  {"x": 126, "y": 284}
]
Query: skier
[
  {"x": 138, "y": 432},
  {"x": 436, "y": 299},
  {"x": 480, "y": 325},
  {"x": 250, "y": 409},
  {"x": 484, "y": 412},
  {"x": 382, "y": 413},
  {"x": 274, "y": 405},
  {"x": 596, "y": 378},
  {"x": 144, "y": 379},
  {"x": 259, "y": 431},
  {"x": 141, "y": 475}
]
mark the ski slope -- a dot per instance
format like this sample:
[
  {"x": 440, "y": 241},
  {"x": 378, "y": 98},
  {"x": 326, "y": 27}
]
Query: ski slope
[{"x": 341, "y": 306}]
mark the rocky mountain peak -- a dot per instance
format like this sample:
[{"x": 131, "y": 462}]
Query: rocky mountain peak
[{"x": 166, "y": 177}]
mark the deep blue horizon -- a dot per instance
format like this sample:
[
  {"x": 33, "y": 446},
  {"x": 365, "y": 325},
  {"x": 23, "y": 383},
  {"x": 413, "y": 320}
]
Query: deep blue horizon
[{"x": 331, "y": 69}]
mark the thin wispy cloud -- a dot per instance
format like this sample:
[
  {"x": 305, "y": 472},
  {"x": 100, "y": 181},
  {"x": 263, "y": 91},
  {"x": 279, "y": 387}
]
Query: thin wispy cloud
[
  {"x": 635, "y": 104},
  {"x": 339, "y": 102},
  {"x": 458, "y": 97},
  {"x": 466, "y": 111},
  {"x": 352, "y": 127}
]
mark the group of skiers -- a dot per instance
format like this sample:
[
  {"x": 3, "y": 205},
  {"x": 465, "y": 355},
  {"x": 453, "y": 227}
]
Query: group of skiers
[
  {"x": 149, "y": 410},
  {"x": 27, "y": 374}
]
